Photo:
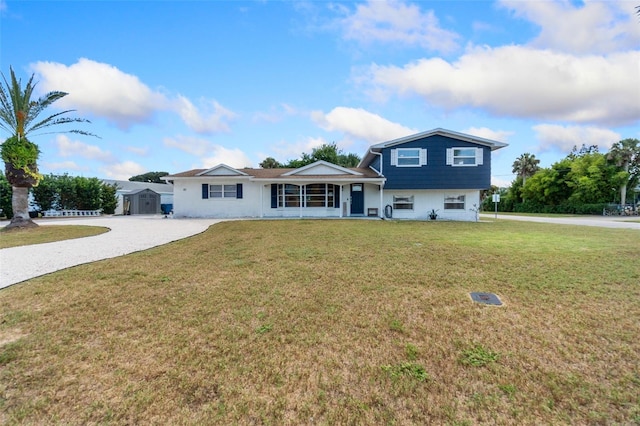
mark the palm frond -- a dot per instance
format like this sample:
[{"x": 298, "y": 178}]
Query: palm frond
[{"x": 18, "y": 111}]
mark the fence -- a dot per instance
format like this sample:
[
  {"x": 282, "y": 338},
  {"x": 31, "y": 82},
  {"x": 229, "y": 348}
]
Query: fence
[
  {"x": 70, "y": 213},
  {"x": 620, "y": 210}
]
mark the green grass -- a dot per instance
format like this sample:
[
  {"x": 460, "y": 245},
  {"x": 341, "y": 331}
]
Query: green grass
[
  {"x": 334, "y": 322},
  {"x": 46, "y": 234}
]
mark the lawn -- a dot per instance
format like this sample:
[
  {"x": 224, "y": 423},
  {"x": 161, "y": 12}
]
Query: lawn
[
  {"x": 45, "y": 234},
  {"x": 334, "y": 322}
]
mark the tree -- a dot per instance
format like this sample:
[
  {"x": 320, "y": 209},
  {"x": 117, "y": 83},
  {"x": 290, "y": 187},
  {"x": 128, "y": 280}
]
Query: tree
[
  {"x": 525, "y": 166},
  {"x": 326, "y": 152},
  {"x": 270, "y": 163},
  {"x": 626, "y": 155},
  {"x": 151, "y": 177},
  {"x": 19, "y": 116},
  {"x": 5, "y": 197}
]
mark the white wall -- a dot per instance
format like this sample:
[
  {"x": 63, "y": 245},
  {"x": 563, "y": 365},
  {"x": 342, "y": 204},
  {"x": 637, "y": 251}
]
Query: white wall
[
  {"x": 188, "y": 201},
  {"x": 425, "y": 200}
]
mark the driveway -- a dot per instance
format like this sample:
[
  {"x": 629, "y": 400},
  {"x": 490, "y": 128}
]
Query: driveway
[{"x": 127, "y": 234}]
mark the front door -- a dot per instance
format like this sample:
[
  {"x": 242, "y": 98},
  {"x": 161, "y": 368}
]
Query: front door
[{"x": 357, "y": 198}]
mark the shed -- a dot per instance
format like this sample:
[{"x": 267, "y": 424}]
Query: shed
[{"x": 144, "y": 201}]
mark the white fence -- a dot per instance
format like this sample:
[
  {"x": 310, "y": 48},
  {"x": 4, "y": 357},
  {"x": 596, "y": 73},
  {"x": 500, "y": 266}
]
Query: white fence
[{"x": 70, "y": 213}]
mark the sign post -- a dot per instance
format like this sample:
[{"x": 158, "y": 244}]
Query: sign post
[{"x": 496, "y": 200}]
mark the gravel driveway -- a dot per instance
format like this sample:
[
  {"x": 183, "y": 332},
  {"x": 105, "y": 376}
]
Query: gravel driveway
[{"x": 127, "y": 234}]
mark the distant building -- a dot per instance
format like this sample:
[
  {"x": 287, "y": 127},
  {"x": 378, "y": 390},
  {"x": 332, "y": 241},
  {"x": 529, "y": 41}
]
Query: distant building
[{"x": 139, "y": 198}]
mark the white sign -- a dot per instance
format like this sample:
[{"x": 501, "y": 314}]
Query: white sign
[{"x": 496, "y": 198}]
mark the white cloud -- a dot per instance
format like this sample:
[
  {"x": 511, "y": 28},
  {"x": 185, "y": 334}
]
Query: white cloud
[
  {"x": 189, "y": 144},
  {"x": 484, "y": 132},
  {"x": 592, "y": 27},
  {"x": 211, "y": 120},
  {"x": 123, "y": 170},
  {"x": 210, "y": 154},
  {"x": 396, "y": 22},
  {"x": 564, "y": 138},
  {"x": 231, "y": 157},
  {"x": 101, "y": 89},
  {"x": 360, "y": 124},
  {"x": 524, "y": 82},
  {"x": 69, "y": 148},
  {"x": 286, "y": 151},
  {"x": 65, "y": 166},
  {"x": 107, "y": 92}
]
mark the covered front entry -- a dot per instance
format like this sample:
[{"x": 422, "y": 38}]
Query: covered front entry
[{"x": 357, "y": 199}]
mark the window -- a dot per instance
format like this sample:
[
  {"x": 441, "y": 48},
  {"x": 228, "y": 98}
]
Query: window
[
  {"x": 403, "y": 202},
  {"x": 408, "y": 157},
  {"x": 288, "y": 195},
  {"x": 454, "y": 202},
  {"x": 313, "y": 195},
  {"x": 464, "y": 156},
  {"x": 222, "y": 191}
]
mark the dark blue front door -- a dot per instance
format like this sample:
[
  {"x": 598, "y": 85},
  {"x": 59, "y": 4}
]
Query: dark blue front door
[{"x": 357, "y": 198}]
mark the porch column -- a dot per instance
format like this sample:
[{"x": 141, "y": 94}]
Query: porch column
[
  {"x": 262, "y": 200},
  {"x": 301, "y": 199},
  {"x": 341, "y": 202},
  {"x": 381, "y": 211}
]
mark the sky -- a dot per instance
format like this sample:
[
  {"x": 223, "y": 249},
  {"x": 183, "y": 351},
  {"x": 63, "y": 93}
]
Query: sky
[{"x": 177, "y": 85}]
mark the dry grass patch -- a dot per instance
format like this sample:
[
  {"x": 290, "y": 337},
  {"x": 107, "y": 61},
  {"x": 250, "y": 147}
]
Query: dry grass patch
[
  {"x": 334, "y": 322},
  {"x": 45, "y": 234}
]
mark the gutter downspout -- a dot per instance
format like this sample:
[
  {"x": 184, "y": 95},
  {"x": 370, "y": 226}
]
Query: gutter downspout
[{"x": 381, "y": 187}]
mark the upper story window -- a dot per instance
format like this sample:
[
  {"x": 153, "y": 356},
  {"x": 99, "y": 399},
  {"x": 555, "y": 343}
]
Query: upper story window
[
  {"x": 409, "y": 157},
  {"x": 465, "y": 156}
]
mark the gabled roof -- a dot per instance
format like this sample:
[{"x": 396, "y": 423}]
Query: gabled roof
[
  {"x": 322, "y": 168},
  {"x": 337, "y": 173},
  {"x": 439, "y": 131},
  {"x": 222, "y": 170}
]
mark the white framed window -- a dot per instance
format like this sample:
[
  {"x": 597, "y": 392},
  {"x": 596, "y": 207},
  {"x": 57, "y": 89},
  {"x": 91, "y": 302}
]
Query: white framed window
[
  {"x": 454, "y": 202},
  {"x": 465, "y": 157},
  {"x": 312, "y": 195},
  {"x": 409, "y": 157},
  {"x": 403, "y": 202},
  {"x": 222, "y": 191}
]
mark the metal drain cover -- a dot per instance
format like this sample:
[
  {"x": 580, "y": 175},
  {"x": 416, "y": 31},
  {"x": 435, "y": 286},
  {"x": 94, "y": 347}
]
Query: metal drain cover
[{"x": 486, "y": 298}]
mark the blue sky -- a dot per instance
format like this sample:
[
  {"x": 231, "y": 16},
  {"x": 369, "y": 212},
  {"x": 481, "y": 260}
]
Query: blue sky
[{"x": 175, "y": 85}]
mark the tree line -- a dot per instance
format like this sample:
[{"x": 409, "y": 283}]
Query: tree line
[
  {"x": 64, "y": 193},
  {"x": 326, "y": 152},
  {"x": 584, "y": 182}
]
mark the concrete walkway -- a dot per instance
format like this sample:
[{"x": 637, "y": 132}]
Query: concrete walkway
[
  {"x": 620, "y": 222},
  {"x": 127, "y": 234}
]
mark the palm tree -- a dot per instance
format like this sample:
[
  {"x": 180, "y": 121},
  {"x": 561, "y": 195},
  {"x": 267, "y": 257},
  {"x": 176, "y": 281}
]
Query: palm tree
[
  {"x": 625, "y": 154},
  {"x": 18, "y": 115},
  {"x": 526, "y": 165}
]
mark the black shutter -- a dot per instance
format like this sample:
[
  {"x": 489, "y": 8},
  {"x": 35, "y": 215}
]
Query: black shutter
[
  {"x": 239, "y": 190},
  {"x": 205, "y": 191},
  {"x": 274, "y": 195},
  {"x": 336, "y": 196}
]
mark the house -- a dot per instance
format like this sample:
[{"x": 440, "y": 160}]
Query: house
[
  {"x": 404, "y": 178},
  {"x": 133, "y": 197}
]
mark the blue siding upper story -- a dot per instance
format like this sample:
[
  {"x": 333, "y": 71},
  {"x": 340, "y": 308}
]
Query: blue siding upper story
[{"x": 436, "y": 174}]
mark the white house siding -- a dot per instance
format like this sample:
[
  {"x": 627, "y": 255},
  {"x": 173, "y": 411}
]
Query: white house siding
[
  {"x": 426, "y": 200},
  {"x": 188, "y": 201}
]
